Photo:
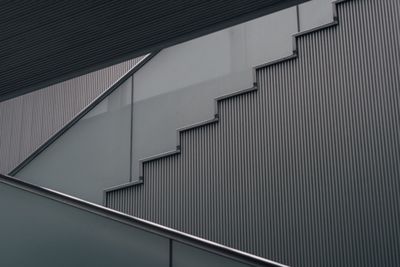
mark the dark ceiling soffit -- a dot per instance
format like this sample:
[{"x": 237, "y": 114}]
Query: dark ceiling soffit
[{"x": 43, "y": 79}]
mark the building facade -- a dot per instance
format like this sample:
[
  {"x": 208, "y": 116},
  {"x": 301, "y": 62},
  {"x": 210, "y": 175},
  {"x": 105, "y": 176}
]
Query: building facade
[{"x": 278, "y": 137}]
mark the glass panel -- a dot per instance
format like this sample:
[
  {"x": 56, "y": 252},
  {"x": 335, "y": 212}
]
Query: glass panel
[
  {"x": 91, "y": 156},
  {"x": 174, "y": 89},
  {"x": 315, "y": 13},
  {"x": 37, "y": 231},
  {"x": 178, "y": 86},
  {"x": 184, "y": 255}
]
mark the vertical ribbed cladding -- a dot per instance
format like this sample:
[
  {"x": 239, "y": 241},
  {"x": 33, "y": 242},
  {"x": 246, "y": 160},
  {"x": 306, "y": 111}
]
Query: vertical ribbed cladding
[
  {"x": 29, "y": 120},
  {"x": 305, "y": 171}
]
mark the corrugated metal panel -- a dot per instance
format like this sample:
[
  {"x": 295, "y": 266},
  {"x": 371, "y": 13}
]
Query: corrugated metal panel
[
  {"x": 29, "y": 120},
  {"x": 47, "y": 42},
  {"x": 305, "y": 170}
]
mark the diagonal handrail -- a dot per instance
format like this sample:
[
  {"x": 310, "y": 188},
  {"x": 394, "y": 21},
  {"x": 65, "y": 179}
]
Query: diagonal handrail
[
  {"x": 82, "y": 113},
  {"x": 134, "y": 222}
]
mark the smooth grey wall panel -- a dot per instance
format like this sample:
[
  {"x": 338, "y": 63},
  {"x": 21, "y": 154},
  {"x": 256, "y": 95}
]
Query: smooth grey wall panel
[
  {"x": 38, "y": 231},
  {"x": 43, "y": 227},
  {"x": 178, "y": 86},
  {"x": 305, "y": 170},
  {"x": 29, "y": 120},
  {"x": 314, "y": 13}
]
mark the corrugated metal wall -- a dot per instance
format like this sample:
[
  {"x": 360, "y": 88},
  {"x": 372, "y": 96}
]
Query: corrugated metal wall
[
  {"x": 29, "y": 120},
  {"x": 305, "y": 171},
  {"x": 42, "y": 42}
]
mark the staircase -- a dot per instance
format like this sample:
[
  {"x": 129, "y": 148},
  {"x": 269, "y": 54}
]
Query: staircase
[
  {"x": 298, "y": 167},
  {"x": 216, "y": 117},
  {"x": 301, "y": 168}
]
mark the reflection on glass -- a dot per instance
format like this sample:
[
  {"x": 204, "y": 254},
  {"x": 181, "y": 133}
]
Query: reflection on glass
[
  {"x": 92, "y": 155},
  {"x": 178, "y": 86},
  {"x": 174, "y": 89},
  {"x": 315, "y": 13},
  {"x": 37, "y": 231},
  {"x": 184, "y": 255}
]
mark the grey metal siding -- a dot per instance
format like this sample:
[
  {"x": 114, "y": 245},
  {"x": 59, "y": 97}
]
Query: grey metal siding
[
  {"x": 51, "y": 41},
  {"x": 29, "y": 120},
  {"x": 304, "y": 171}
]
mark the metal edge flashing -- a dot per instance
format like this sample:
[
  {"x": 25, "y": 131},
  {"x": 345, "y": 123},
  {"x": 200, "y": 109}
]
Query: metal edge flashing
[
  {"x": 293, "y": 56},
  {"x": 144, "y": 225},
  {"x": 183, "y": 129},
  {"x": 82, "y": 113}
]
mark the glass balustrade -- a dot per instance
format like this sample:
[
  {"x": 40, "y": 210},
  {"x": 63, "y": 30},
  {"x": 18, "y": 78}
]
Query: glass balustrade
[
  {"x": 92, "y": 155},
  {"x": 176, "y": 88},
  {"x": 45, "y": 228}
]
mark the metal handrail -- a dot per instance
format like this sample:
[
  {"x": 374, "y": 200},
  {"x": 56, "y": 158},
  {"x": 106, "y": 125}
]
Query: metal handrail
[
  {"x": 82, "y": 113},
  {"x": 135, "y": 222}
]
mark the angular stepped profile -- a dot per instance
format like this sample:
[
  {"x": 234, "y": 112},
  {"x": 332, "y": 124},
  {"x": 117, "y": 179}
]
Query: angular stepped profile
[
  {"x": 46, "y": 228},
  {"x": 101, "y": 147},
  {"x": 303, "y": 170}
]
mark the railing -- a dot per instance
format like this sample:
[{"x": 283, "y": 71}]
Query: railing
[{"x": 40, "y": 225}]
